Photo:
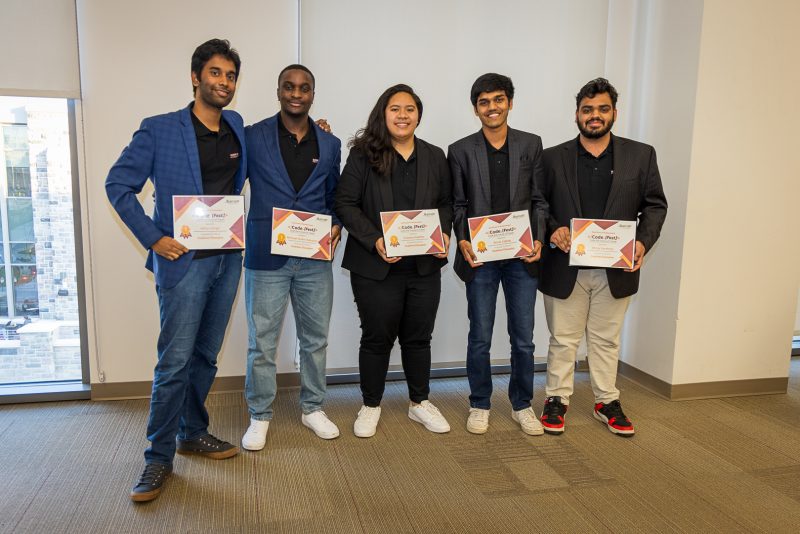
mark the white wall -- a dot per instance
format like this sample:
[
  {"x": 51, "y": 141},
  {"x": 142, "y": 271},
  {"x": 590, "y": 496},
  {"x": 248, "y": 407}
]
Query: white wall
[
  {"x": 710, "y": 308},
  {"x": 740, "y": 259},
  {"x": 653, "y": 50},
  {"x": 135, "y": 62},
  {"x": 549, "y": 49}
]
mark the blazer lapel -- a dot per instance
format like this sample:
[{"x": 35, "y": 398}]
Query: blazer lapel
[
  {"x": 190, "y": 141},
  {"x": 483, "y": 166},
  {"x": 422, "y": 176},
  {"x": 240, "y": 174},
  {"x": 622, "y": 168},
  {"x": 513, "y": 163},
  {"x": 272, "y": 146},
  {"x": 322, "y": 162},
  {"x": 570, "y": 160}
]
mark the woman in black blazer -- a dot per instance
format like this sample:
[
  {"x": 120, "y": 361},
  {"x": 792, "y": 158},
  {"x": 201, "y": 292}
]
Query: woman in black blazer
[{"x": 389, "y": 169}]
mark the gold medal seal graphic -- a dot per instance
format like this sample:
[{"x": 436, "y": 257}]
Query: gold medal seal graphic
[
  {"x": 186, "y": 233},
  {"x": 281, "y": 239},
  {"x": 393, "y": 241},
  {"x": 481, "y": 246},
  {"x": 581, "y": 249}
]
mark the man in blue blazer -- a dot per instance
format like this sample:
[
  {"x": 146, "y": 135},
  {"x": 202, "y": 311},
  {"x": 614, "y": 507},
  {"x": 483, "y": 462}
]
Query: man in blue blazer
[
  {"x": 197, "y": 150},
  {"x": 292, "y": 164}
]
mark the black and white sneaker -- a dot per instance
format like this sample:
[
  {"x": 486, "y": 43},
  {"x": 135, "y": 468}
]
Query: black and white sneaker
[
  {"x": 553, "y": 415},
  {"x": 612, "y": 415}
]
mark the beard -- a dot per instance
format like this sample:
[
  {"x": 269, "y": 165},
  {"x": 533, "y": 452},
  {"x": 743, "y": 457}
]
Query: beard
[{"x": 595, "y": 134}]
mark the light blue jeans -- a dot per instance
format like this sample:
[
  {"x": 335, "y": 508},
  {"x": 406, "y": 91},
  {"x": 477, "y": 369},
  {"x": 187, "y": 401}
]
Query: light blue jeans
[{"x": 309, "y": 283}]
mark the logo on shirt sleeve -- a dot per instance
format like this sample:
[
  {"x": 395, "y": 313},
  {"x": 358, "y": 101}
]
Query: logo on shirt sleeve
[{"x": 234, "y": 155}]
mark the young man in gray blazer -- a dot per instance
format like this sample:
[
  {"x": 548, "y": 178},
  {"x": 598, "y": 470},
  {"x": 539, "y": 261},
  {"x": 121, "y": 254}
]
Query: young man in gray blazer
[
  {"x": 596, "y": 176},
  {"x": 496, "y": 171}
]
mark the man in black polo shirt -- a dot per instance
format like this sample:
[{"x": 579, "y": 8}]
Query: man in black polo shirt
[
  {"x": 294, "y": 165},
  {"x": 596, "y": 176},
  {"x": 495, "y": 171},
  {"x": 198, "y": 150}
]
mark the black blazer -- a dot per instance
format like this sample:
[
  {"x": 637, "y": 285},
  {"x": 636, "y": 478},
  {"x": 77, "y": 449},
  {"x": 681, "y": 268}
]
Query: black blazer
[
  {"x": 636, "y": 195},
  {"x": 362, "y": 194},
  {"x": 472, "y": 191}
]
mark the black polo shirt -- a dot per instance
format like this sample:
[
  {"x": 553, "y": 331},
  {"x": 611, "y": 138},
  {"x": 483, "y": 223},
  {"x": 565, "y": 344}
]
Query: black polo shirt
[
  {"x": 500, "y": 177},
  {"x": 220, "y": 156},
  {"x": 404, "y": 189},
  {"x": 299, "y": 157},
  {"x": 594, "y": 180}
]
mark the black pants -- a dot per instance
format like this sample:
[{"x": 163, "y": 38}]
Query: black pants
[{"x": 402, "y": 305}]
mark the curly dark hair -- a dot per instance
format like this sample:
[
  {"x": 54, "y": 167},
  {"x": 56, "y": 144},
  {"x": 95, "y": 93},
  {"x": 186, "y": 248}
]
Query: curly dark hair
[
  {"x": 374, "y": 139},
  {"x": 596, "y": 87}
]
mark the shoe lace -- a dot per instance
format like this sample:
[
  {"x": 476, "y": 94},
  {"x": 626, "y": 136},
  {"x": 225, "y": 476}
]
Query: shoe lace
[
  {"x": 431, "y": 409},
  {"x": 213, "y": 441},
  {"x": 480, "y": 415},
  {"x": 369, "y": 412},
  {"x": 152, "y": 472},
  {"x": 614, "y": 409},
  {"x": 554, "y": 406}
]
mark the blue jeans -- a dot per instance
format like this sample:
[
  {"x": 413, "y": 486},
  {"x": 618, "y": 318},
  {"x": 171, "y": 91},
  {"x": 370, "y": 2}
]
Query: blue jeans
[
  {"x": 519, "y": 289},
  {"x": 194, "y": 316},
  {"x": 309, "y": 283}
]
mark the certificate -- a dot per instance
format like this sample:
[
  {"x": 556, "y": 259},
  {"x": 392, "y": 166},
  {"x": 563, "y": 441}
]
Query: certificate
[
  {"x": 412, "y": 233},
  {"x": 301, "y": 234},
  {"x": 202, "y": 222},
  {"x": 602, "y": 243},
  {"x": 501, "y": 236}
]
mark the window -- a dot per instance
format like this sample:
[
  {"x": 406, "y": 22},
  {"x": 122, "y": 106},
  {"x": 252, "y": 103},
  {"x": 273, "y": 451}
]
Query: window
[{"x": 39, "y": 309}]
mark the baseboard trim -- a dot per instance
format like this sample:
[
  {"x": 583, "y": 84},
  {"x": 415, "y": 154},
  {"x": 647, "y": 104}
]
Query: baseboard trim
[
  {"x": 344, "y": 375},
  {"x": 704, "y": 390}
]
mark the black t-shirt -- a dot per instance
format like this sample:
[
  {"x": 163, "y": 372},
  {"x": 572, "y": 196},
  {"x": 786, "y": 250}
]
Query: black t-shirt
[
  {"x": 594, "y": 180},
  {"x": 404, "y": 189},
  {"x": 299, "y": 157},
  {"x": 500, "y": 176},
  {"x": 220, "y": 156}
]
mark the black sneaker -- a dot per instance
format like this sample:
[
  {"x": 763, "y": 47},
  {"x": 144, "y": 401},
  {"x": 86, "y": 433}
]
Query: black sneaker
[
  {"x": 553, "y": 415},
  {"x": 209, "y": 446},
  {"x": 149, "y": 485},
  {"x": 611, "y": 414}
]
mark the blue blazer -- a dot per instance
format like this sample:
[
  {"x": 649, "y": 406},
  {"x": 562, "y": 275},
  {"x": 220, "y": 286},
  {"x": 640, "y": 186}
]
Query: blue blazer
[
  {"x": 164, "y": 149},
  {"x": 271, "y": 187}
]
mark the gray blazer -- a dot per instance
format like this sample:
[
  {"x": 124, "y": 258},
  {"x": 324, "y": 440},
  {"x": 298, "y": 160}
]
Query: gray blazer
[
  {"x": 472, "y": 188},
  {"x": 636, "y": 195}
]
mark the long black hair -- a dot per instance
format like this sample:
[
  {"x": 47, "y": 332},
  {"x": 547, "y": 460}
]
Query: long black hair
[{"x": 374, "y": 139}]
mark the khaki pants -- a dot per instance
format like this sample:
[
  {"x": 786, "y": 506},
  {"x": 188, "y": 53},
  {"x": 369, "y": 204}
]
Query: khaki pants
[{"x": 592, "y": 309}]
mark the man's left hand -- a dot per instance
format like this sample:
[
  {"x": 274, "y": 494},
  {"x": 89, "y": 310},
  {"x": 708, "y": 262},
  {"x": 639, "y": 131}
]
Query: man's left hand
[
  {"x": 638, "y": 257},
  {"x": 323, "y": 125},
  {"x": 446, "y": 247},
  {"x": 537, "y": 253},
  {"x": 336, "y": 235}
]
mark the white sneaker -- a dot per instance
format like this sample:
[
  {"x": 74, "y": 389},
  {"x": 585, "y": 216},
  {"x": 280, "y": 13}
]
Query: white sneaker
[
  {"x": 478, "y": 421},
  {"x": 428, "y": 415},
  {"x": 256, "y": 436},
  {"x": 320, "y": 424},
  {"x": 528, "y": 421},
  {"x": 367, "y": 421}
]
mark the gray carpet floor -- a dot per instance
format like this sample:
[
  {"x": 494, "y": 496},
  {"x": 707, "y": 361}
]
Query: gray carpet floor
[{"x": 723, "y": 465}]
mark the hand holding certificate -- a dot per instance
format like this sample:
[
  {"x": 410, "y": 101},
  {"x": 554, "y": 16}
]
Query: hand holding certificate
[
  {"x": 412, "y": 233},
  {"x": 301, "y": 234},
  {"x": 501, "y": 236},
  {"x": 208, "y": 222},
  {"x": 602, "y": 243}
]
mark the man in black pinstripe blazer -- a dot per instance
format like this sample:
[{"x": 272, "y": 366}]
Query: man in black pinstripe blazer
[{"x": 596, "y": 176}]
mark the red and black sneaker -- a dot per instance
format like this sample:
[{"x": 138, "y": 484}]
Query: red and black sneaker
[
  {"x": 611, "y": 414},
  {"x": 553, "y": 415}
]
